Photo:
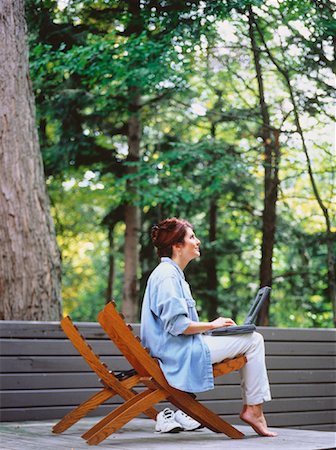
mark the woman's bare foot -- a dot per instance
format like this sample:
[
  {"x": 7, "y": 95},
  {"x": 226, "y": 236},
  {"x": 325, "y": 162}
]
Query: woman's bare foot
[{"x": 254, "y": 416}]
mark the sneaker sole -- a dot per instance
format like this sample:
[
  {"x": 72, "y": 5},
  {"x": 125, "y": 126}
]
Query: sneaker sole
[
  {"x": 194, "y": 429},
  {"x": 173, "y": 430}
]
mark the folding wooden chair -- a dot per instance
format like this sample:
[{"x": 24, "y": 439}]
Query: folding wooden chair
[
  {"x": 157, "y": 387},
  {"x": 114, "y": 384}
]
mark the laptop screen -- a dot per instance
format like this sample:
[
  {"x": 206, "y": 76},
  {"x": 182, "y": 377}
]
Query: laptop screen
[{"x": 261, "y": 296}]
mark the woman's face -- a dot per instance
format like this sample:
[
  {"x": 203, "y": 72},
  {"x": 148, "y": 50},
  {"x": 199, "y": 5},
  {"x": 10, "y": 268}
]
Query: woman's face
[{"x": 190, "y": 249}]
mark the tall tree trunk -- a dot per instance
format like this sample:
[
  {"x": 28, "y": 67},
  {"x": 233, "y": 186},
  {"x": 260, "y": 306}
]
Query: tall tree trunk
[
  {"x": 211, "y": 257},
  {"x": 211, "y": 264},
  {"x": 111, "y": 274},
  {"x": 30, "y": 266},
  {"x": 271, "y": 181},
  {"x": 130, "y": 304}
]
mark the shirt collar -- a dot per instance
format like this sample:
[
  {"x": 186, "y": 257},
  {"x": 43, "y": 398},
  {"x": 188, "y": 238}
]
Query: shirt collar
[{"x": 173, "y": 263}]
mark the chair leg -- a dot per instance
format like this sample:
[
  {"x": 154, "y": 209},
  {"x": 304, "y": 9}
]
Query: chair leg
[
  {"x": 82, "y": 410},
  {"x": 122, "y": 415},
  {"x": 129, "y": 383},
  {"x": 204, "y": 415}
]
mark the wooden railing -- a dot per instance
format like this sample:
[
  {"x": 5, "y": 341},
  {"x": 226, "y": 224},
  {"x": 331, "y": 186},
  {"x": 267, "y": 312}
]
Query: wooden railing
[{"x": 43, "y": 377}]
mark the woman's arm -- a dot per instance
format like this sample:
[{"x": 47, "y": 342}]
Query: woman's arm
[{"x": 201, "y": 327}]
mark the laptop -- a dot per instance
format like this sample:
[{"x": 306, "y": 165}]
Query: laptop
[{"x": 251, "y": 317}]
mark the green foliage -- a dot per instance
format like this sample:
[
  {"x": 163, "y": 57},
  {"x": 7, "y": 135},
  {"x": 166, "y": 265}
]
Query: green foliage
[
  {"x": 305, "y": 275},
  {"x": 187, "y": 174},
  {"x": 190, "y": 62}
]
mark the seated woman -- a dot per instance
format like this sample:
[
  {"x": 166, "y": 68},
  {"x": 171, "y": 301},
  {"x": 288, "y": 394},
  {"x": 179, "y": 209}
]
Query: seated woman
[{"x": 170, "y": 328}]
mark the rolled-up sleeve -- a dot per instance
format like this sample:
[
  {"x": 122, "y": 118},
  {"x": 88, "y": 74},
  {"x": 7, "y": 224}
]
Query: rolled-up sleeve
[{"x": 171, "y": 307}]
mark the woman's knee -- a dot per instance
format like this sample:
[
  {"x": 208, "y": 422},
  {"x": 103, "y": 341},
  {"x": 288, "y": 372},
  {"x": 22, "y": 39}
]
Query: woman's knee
[{"x": 258, "y": 339}]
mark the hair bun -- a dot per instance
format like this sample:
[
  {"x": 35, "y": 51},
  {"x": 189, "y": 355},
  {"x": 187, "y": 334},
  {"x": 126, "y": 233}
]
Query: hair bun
[
  {"x": 169, "y": 225},
  {"x": 155, "y": 233}
]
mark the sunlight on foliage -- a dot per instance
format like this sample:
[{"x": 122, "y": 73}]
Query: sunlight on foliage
[{"x": 202, "y": 152}]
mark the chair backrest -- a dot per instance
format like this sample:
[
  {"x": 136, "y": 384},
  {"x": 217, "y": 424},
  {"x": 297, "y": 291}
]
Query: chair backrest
[
  {"x": 84, "y": 349},
  {"x": 121, "y": 334}
]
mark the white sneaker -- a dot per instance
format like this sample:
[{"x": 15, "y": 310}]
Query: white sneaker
[
  {"x": 165, "y": 422},
  {"x": 186, "y": 422}
]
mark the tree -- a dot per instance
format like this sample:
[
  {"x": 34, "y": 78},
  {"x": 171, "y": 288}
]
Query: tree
[
  {"x": 270, "y": 137},
  {"x": 30, "y": 266},
  {"x": 132, "y": 113},
  {"x": 288, "y": 75},
  {"x": 121, "y": 59}
]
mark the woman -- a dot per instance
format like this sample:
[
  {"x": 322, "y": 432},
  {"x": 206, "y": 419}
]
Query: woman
[{"x": 170, "y": 328}]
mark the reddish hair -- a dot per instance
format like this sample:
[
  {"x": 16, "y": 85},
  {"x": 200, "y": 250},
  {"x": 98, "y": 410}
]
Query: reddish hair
[{"x": 168, "y": 233}]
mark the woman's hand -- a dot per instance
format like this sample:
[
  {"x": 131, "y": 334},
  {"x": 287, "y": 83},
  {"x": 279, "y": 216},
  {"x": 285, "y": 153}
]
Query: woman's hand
[
  {"x": 222, "y": 322},
  {"x": 202, "y": 327}
]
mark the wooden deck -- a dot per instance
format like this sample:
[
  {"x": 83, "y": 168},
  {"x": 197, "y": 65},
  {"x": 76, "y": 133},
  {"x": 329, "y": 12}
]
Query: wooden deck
[{"x": 140, "y": 435}]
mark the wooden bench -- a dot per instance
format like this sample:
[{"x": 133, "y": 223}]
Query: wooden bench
[{"x": 43, "y": 377}]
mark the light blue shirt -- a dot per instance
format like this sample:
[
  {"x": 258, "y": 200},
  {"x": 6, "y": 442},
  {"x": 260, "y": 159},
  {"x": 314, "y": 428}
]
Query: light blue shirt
[{"x": 167, "y": 310}]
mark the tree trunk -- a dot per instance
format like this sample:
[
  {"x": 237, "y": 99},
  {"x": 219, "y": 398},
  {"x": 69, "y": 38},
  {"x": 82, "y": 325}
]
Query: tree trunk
[
  {"x": 111, "y": 274},
  {"x": 271, "y": 181},
  {"x": 30, "y": 266},
  {"x": 110, "y": 221},
  {"x": 130, "y": 304},
  {"x": 211, "y": 264},
  {"x": 211, "y": 285}
]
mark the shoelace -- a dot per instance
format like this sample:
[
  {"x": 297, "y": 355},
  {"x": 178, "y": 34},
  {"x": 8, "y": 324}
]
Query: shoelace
[
  {"x": 168, "y": 414},
  {"x": 186, "y": 415},
  {"x": 190, "y": 419}
]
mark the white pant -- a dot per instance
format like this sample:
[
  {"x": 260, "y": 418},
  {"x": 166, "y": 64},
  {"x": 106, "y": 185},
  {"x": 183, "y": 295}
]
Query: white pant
[{"x": 254, "y": 380}]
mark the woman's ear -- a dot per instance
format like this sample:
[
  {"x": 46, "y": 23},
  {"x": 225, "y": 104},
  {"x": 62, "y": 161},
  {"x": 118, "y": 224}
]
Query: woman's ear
[{"x": 177, "y": 248}]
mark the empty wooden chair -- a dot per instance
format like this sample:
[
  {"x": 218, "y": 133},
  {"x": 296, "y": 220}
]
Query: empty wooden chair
[{"x": 113, "y": 384}]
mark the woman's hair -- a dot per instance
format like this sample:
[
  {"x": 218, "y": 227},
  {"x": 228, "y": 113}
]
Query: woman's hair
[{"x": 168, "y": 233}]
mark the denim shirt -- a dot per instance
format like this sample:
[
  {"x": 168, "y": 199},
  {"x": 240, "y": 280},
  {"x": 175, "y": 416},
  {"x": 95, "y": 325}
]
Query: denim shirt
[{"x": 167, "y": 310}]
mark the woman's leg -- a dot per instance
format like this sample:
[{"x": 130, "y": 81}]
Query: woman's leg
[{"x": 254, "y": 379}]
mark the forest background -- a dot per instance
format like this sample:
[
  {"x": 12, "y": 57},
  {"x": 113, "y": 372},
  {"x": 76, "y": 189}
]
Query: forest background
[{"x": 217, "y": 112}]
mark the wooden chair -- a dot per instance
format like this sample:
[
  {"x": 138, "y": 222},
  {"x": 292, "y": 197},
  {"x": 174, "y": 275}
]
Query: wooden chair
[
  {"x": 121, "y": 384},
  {"x": 157, "y": 387}
]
